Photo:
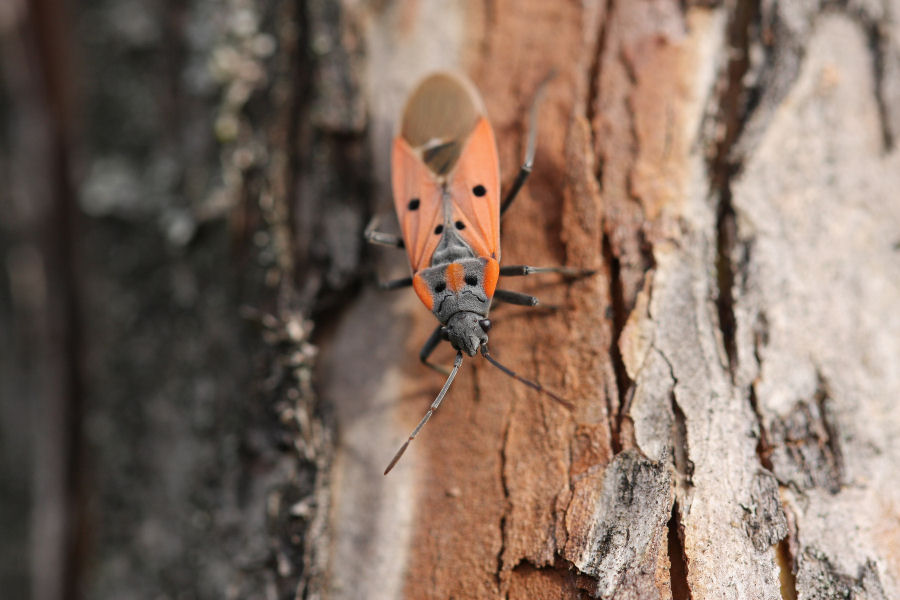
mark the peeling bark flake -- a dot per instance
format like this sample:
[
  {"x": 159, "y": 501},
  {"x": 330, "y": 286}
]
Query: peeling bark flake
[
  {"x": 764, "y": 519},
  {"x": 620, "y": 544}
]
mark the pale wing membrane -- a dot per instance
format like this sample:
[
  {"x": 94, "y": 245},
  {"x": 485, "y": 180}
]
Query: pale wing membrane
[
  {"x": 478, "y": 167},
  {"x": 412, "y": 180},
  {"x": 438, "y": 117}
]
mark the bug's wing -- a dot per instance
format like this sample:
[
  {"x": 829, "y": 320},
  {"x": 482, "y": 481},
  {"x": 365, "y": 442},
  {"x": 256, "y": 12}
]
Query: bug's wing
[
  {"x": 411, "y": 181},
  {"x": 478, "y": 167}
]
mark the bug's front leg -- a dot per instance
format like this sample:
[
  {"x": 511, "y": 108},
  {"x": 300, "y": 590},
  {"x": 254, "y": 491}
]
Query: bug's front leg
[
  {"x": 431, "y": 343},
  {"x": 379, "y": 238}
]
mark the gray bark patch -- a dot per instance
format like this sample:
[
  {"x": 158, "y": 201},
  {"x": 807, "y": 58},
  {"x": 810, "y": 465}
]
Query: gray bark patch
[
  {"x": 631, "y": 516},
  {"x": 821, "y": 580},
  {"x": 764, "y": 519},
  {"x": 805, "y": 448}
]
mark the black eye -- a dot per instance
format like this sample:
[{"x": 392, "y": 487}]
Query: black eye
[
  {"x": 445, "y": 334},
  {"x": 440, "y": 287},
  {"x": 471, "y": 280},
  {"x": 485, "y": 324},
  {"x": 479, "y": 190},
  {"x": 439, "y": 229},
  {"x": 414, "y": 204},
  {"x": 460, "y": 225}
]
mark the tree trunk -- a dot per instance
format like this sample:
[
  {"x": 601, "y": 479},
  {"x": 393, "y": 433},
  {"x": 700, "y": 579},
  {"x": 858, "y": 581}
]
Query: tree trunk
[{"x": 728, "y": 168}]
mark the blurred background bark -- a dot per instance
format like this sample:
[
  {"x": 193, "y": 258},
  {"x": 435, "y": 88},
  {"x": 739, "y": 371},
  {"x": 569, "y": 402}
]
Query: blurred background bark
[{"x": 199, "y": 387}]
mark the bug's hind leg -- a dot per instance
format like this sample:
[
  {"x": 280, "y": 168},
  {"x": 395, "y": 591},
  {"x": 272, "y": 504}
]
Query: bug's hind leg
[
  {"x": 395, "y": 284},
  {"x": 530, "y": 145},
  {"x": 431, "y": 343},
  {"x": 520, "y": 299},
  {"x": 522, "y": 270},
  {"x": 380, "y": 238}
]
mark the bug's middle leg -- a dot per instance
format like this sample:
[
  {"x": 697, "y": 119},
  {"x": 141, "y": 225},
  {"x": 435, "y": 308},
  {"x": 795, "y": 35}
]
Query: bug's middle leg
[
  {"x": 379, "y": 238},
  {"x": 518, "y": 298},
  {"x": 522, "y": 270}
]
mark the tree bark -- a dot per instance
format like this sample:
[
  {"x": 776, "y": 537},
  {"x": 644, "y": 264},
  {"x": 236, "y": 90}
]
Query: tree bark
[
  {"x": 728, "y": 168},
  {"x": 215, "y": 416}
]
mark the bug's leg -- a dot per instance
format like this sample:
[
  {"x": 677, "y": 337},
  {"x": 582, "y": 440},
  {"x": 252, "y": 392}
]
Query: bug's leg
[
  {"x": 519, "y": 298},
  {"x": 530, "y": 145},
  {"x": 380, "y": 238},
  {"x": 430, "y": 344},
  {"x": 524, "y": 172},
  {"x": 521, "y": 270},
  {"x": 395, "y": 284},
  {"x": 501, "y": 296}
]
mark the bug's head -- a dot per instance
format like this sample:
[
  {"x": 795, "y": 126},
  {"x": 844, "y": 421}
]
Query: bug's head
[{"x": 467, "y": 332}]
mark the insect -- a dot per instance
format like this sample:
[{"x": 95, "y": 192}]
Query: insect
[{"x": 446, "y": 184}]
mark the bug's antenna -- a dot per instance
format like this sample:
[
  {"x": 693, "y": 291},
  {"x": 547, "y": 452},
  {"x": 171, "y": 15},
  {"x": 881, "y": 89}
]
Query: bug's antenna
[
  {"x": 531, "y": 144},
  {"x": 528, "y": 382},
  {"x": 431, "y": 409}
]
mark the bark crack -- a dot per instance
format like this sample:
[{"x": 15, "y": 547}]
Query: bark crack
[
  {"x": 684, "y": 469},
  {"x": 684, "y": 466},
  {"x": 618, "y": 314},
  {"x": 877, "y": 44},
  {"x": 831, "y": 449},
  {"x": 678, "y": 567},
  {"x": 733, "y": 107},
  {"x": 593, "y": 90},
  {"x": 763, "y": 446},
  {"x": 506, "y": 501},
  {"x": 785, "y": 560}
]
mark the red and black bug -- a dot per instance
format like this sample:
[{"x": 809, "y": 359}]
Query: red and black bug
[{"x": 446, "y": 182}]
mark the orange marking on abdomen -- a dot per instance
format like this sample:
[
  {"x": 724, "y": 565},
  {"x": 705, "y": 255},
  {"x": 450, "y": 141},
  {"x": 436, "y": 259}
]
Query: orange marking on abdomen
[{"x": 455, "y": 276}]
